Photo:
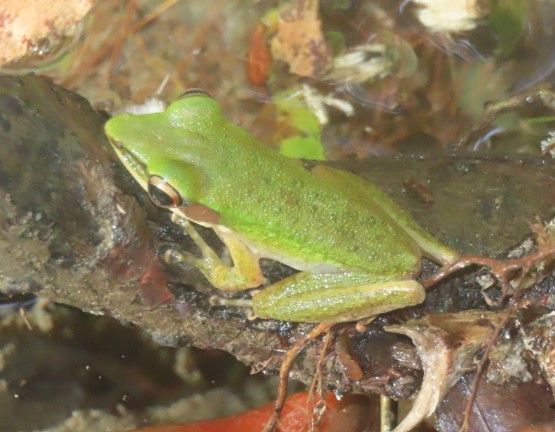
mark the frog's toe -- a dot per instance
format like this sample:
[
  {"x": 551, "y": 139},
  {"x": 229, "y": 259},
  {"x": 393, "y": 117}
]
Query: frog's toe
[{"x": 172, "y": 256}]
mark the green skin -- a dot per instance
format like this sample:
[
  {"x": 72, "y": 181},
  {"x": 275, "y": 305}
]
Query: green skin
[{"x": 356, "y": 251}]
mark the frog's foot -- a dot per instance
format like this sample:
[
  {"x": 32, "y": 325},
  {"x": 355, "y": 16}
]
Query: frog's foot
[
  {"x": 241, "y": 303},
  {"x": 172, "y": 256},
  {"x": 245, "y": 272},
  {"x": 220, "y": 301},
  {"x": 285, "y": 367},
  {"x": 205, "y": 265},
  {"x": 207, "y": 251}
]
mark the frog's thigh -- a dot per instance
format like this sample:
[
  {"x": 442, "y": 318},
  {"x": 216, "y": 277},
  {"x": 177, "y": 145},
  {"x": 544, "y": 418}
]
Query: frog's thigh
[
  {"x": 334, "y": 297},
  {"x": 364, "y": 191}
]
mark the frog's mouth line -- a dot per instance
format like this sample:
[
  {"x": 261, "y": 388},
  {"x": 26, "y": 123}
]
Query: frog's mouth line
[{"x": 134, "y": 166}]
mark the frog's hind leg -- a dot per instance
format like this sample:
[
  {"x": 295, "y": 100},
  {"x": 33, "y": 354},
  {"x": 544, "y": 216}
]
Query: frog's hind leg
[
  {"x": 334, "y": 297},
  {"x": 285, "y": 368},
  {"x": 371, "y": 196},
  {"x": 245, "y": 272}
]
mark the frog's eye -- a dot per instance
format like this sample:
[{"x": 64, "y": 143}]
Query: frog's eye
[
  {"x": 162, "y": 193},
  {"x": 195, "y": 92}
]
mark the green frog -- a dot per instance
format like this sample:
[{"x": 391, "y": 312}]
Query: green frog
[{"x": 358, "y": 254}]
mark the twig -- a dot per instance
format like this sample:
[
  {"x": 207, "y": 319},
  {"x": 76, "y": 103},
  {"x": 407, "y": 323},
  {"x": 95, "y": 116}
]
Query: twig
[{"x": 285, "y": 367}]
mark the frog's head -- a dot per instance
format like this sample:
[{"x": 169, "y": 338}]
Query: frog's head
[{"x": 164, "y": 151}]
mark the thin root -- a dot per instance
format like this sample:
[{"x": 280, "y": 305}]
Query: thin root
[
  {"x": 285, "y": 367},
  {"x": 316, "y": 410}
]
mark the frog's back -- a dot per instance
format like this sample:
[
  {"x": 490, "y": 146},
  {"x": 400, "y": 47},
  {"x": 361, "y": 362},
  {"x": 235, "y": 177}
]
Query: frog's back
[{"x": 285, "y": 212}]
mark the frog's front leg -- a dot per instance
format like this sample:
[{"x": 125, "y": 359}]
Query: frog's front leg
[
  {"x": 334, "y": 297},
  {"x": 245, "y": 272}
]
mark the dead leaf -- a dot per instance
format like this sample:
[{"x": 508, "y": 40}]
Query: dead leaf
[{"x": 299, "y": 41}]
